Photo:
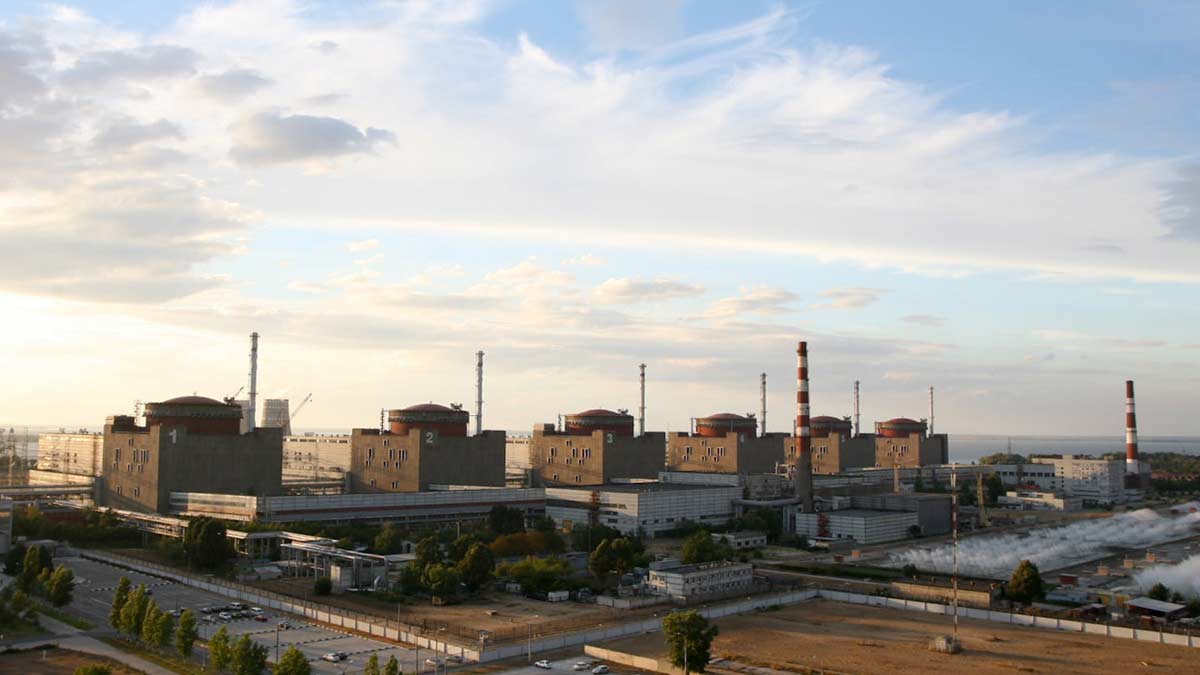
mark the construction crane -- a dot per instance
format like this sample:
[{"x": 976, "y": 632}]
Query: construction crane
[
  {"x": 230, "y": 398},
  {"x": 297, "y": 410}
]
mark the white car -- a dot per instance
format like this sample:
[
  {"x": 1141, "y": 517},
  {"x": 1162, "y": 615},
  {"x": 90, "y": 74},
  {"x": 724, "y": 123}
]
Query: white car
[
  {"x": 256, "y": 610},
  {"x": 225, "y": 616},
  {"x": 600, "y": 670},
  {"x": 580, "y": 665},
  {"x": 543, "y": 664},
  {"x": 334, "y": 657},
  {"x": 435, "y": 663}
]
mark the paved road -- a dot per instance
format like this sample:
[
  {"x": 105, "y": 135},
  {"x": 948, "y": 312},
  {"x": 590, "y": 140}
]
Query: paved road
[
  {"x": 93, "y": 598},
  {"x": 564, "y": 666}
]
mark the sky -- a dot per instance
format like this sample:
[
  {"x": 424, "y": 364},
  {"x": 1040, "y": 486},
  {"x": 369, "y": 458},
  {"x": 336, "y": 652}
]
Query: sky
[{"x": 1000, "y": 200}]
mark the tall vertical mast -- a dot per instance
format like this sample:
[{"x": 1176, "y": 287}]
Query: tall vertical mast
[
  {"x": 642, "y": 405},
  {"x": 478, "y": 392},
  {"x": 762, "y": 420},
  {"x": 251, "y": 423},
  {"x": 857, "y": 430}
]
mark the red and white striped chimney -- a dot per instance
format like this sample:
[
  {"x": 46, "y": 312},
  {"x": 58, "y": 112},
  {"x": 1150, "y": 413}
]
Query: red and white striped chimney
[
  {"x": 1131, "y": 442},
  {"x": 802, "y": 477}
]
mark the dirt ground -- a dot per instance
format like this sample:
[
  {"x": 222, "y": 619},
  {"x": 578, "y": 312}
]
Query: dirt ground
[
  {"x": 854, "y": 639},
  {"x": 506, "y": 616},
  {"x": 56, "y": 662}
]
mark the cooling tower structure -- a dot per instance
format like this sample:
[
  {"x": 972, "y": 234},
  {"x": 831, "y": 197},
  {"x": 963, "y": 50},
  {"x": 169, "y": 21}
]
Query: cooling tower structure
[{"x": 802, "y": 471}]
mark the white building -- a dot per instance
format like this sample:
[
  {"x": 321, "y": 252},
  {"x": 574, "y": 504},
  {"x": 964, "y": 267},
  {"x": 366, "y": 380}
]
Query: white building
[
  {"x": 864, "y": 526},
  {"x": 742, "y": 539},
  {"x": 77, "y": 454},
  {"x": 315, "y": 457},
  {"x": 276, "y": 414},
  {"x": 650, "y": 507},
  {"x": 1040, "y": 501},
  {"x": 1090, "y": 479},
  {"x": 688, "y": 581}
]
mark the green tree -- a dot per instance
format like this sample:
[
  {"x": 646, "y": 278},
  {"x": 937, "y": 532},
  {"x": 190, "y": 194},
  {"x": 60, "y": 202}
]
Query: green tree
[
  {"x": 538, "y": 575},
  {"x": 603, "y": 561},
  {"x": 587, "y": 538},
  {"x": 1003, "y": 458},
  {"x": 1026, "y": 583},
  {"x": 700, "y": 548},
  {"x": 93, "y": 669},
  {"x": 150, "y": 623},
  {"x": 544, "y": 524},
  {"x": 220, "y": 654},
  {"x": 967, "y": 494},
  {"x": 392, "y": 667},
  {"x": 461, "y": 546},
  {"x": 1159, "y": 592},
  {"x": 429, "y": 552},
  {"x": 13, "y": 560},
  {"x": 626, "y": 553},
  {"x": 322, "y": 586},
  {"x": 164, "y": 626},
  {"x": 186, "y": 634},
  {"x": 689, "y": 638},
  {"x": 31, "y": 567},
  {"x": 909, "y": 570},
  {"x": 204, "y": 543},
  {"x": 134, "y": 612},
  {"x": 410, "y": 579},
  {"x": 118, "y": 602},
  {"x": 293, "y": 662},
  {"x": 505, "y": 520},
  {"x": 372, "y": 667},
  {"x": 62, "y": 583},
  {"x": 249, "y": 657},
  {"x": 476, "y": 566},
  {"x": 440, "y": 580},
  {"x": 995, "y": 488},
  {"x": 389, "y": 540}
]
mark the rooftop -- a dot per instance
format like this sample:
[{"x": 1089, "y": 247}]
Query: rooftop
[
  {"x": 631, "y": 488},
  {"x": 700, "y": 567}
]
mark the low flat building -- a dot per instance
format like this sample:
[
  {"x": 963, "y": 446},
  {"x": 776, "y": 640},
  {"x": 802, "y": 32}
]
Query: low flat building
[
  {"x": 594, "y": 447},
  {"x": 1101, "y": 481},
  {"x": 742, "y": 539},
  {"x": 687, "y": 582},
  {"x": 1167, "y": 611},
  {"x": 652, "y": 508},
  {"x": 970, "y": 593},
  {"x": 863, "y": 526},
  {"x": 756, "y": 486},
  {"x": 1025, "y": 500}
]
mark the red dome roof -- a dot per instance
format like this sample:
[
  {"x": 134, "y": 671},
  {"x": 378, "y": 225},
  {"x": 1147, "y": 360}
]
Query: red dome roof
[
  {"x": 827, "y": 419},
  {"x": 428, "y": 407},
  {"x": 193, "y": 400},
  {"x": 901, "y": 420},
  {"x": 725, "y": 416},
  {"x": 599, "y": 412}
]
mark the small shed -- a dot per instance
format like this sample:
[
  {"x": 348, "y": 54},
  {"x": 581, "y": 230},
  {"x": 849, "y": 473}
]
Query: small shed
[{"x": 1168, "y": 611}]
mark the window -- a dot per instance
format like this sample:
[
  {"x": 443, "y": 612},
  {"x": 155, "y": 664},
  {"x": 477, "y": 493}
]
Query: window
[
  {"x": 120, "y": 490},
  {"x": 117, "y": 454},
  {"x": 574, "y": 452},
  {"x": 372, "y": 482},
  {"x": 370, "y": 453},
  {"x": 385, "y": 464},
  {"x": 555, "y": 477},
  {"x": 687, "y": 450},
  {"x": 395, "y": 485},
  {"x": 385, "y": 443},
  {"x": 554, "y": 452},
  {"x": 577, "y": 480},
  {"x": 570, "y": 460},
  {"x": 367, "y": 463},
  {"x": 391, "y": 453},
  {"x": 549, "y": 460},
  {"x": 137, "y": 492},
  {"x": 587, "y": 452},
  {"x": 403, "y": 455}
]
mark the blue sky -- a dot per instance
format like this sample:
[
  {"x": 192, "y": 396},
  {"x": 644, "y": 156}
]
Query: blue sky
[{"x": 1000, "y": 200}]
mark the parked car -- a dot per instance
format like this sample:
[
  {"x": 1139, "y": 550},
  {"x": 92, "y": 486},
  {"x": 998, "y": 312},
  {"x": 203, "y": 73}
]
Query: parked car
[
  {"x": 434, "y": 663},
  {"x": 334, "y": 657},
  {"x": 600, "y": 670},
  {"x": 175, "y": 612},
  {"x": 236, "y": 605},
  {"x": 206, "y": 610},
  {"x": 581, "y": 665},
  {"x": 454, "y": 658},
  {"x": 285, "y": 625},
  {"x": 260, "y": 617},
  {"x": 543, "y": 664},
  {"x": 256, "y": 610},
  {"x": 224, "y": 616}
]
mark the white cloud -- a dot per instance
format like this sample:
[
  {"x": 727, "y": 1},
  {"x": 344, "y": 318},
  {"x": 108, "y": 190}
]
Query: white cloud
[
  {"x": 233, "y": 84},
  {"x": 761, "y": 300},
  {"x": 631, "y": 24},
  {"x": 634, "y": 290},
  {"x": 273, "y": 138},
  {"x": 362, "y": 245},
  {"x": 849, "y": 298},
  {"x": 587, "y": 259},
  {"x": 928, "y": 320}
]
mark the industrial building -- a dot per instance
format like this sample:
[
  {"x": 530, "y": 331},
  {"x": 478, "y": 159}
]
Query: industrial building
[
  {"x": 874, "y": 519},
  {"x": 425, "y": 445},
  {"x": 725, "y": 443},
  {"x": 1093, "y": 480},
  {"x": 188, "y": 444},
  {"x": 594, "y": 447},
  {"x": 835, "y": 449},
  {"x": 686, "y": 582},
  {"x": 1027, "y": 500},
  {"x": 73, "y": 454},
  {"x": 276, "y": 414},
  {"x": 652, "y": 508},
  {"x": 312, "y": 457},
  {"x": 742, "y": 539},
  {"x": 908, "y": 443}
]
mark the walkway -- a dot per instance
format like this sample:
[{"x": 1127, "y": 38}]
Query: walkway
[{"x": 69, "y": 637}]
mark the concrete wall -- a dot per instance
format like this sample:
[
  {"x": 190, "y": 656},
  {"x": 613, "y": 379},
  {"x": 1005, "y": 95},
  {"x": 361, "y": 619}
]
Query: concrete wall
[
  {"x": 738, "y": 453},
  {"x": 596, "y": 458},
  {"x": 411, "y": 462},
  {"x": 835, "y": 453}
]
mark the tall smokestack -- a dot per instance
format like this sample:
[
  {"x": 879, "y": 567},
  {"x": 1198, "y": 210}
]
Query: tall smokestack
[
  {"x": 931, "y": 411},
  {"x": 642, "y": 406},
  {"x": 802, "y": 478},
  {"x": 478, "y": 393},
  {"x": 856, "y": 409},
  {"x": 253, "y": 411},
  {"x": 1131, "y": 442},
  {"x": 762, "y": 420}
]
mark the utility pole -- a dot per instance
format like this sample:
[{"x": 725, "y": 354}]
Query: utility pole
[{"x": 954, "y": 527}]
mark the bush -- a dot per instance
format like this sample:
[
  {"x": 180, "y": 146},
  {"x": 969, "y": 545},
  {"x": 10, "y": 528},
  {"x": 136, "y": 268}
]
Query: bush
[{"x": 323, "y": 586}]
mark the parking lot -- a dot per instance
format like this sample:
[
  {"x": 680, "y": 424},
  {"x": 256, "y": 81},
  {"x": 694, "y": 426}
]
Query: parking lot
[
  {"x": 97, "y": 582},
  {"x": 566, "y": 665}
]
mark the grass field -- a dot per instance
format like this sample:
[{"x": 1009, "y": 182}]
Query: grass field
[
  {"x": 856, "y": 639},
  {"x": 55, "y": 662}
]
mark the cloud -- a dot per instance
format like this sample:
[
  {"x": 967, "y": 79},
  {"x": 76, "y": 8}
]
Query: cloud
[
  {"x": 126, "y": 133},
  {"x": 633, "y": 290},
  {"x": 139, "y": 64},
  {"x": 1039, "y": 358},
  {"x": 274, "y": 138},
  {"x": 587, "y": 259},
  {"x": 234, "y": 84},
  {"x": 925, "y": 320},
  {"x": 849, "y": 298},
  {"x": 630, "y": 24},
  {"x": 362, "y": 245},
  {"x": 306, "y": 286},
  {"x": 1181, "y": 206},
  {"x": 762, "y": 300}
]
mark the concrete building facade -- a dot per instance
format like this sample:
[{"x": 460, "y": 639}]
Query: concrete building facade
[
  {"x": 653, "y": 508},
  {"x": 424, "y": 446},
  {"x": 594, "y": 447},
  {"x": 907, "y": 443},
  {"x": 75, "y": 454},
  {"x": 1093, "y": 480},
  {"x": 314, "y": 457},
  {"x": 189, "y": 444},
  {"x": 863, "y": 526},
  {"x": 731, "y": 452},
  {"x": 685, "y": 582}
]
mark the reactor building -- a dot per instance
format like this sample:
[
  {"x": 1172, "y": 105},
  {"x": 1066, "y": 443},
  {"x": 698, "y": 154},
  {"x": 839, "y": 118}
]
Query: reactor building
[
  {"x": 593, "y": 448},
  {"x": 425, "y": 445},
  {"x": 188, "y": 444},
  {"x": 725, "y": 443}
]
